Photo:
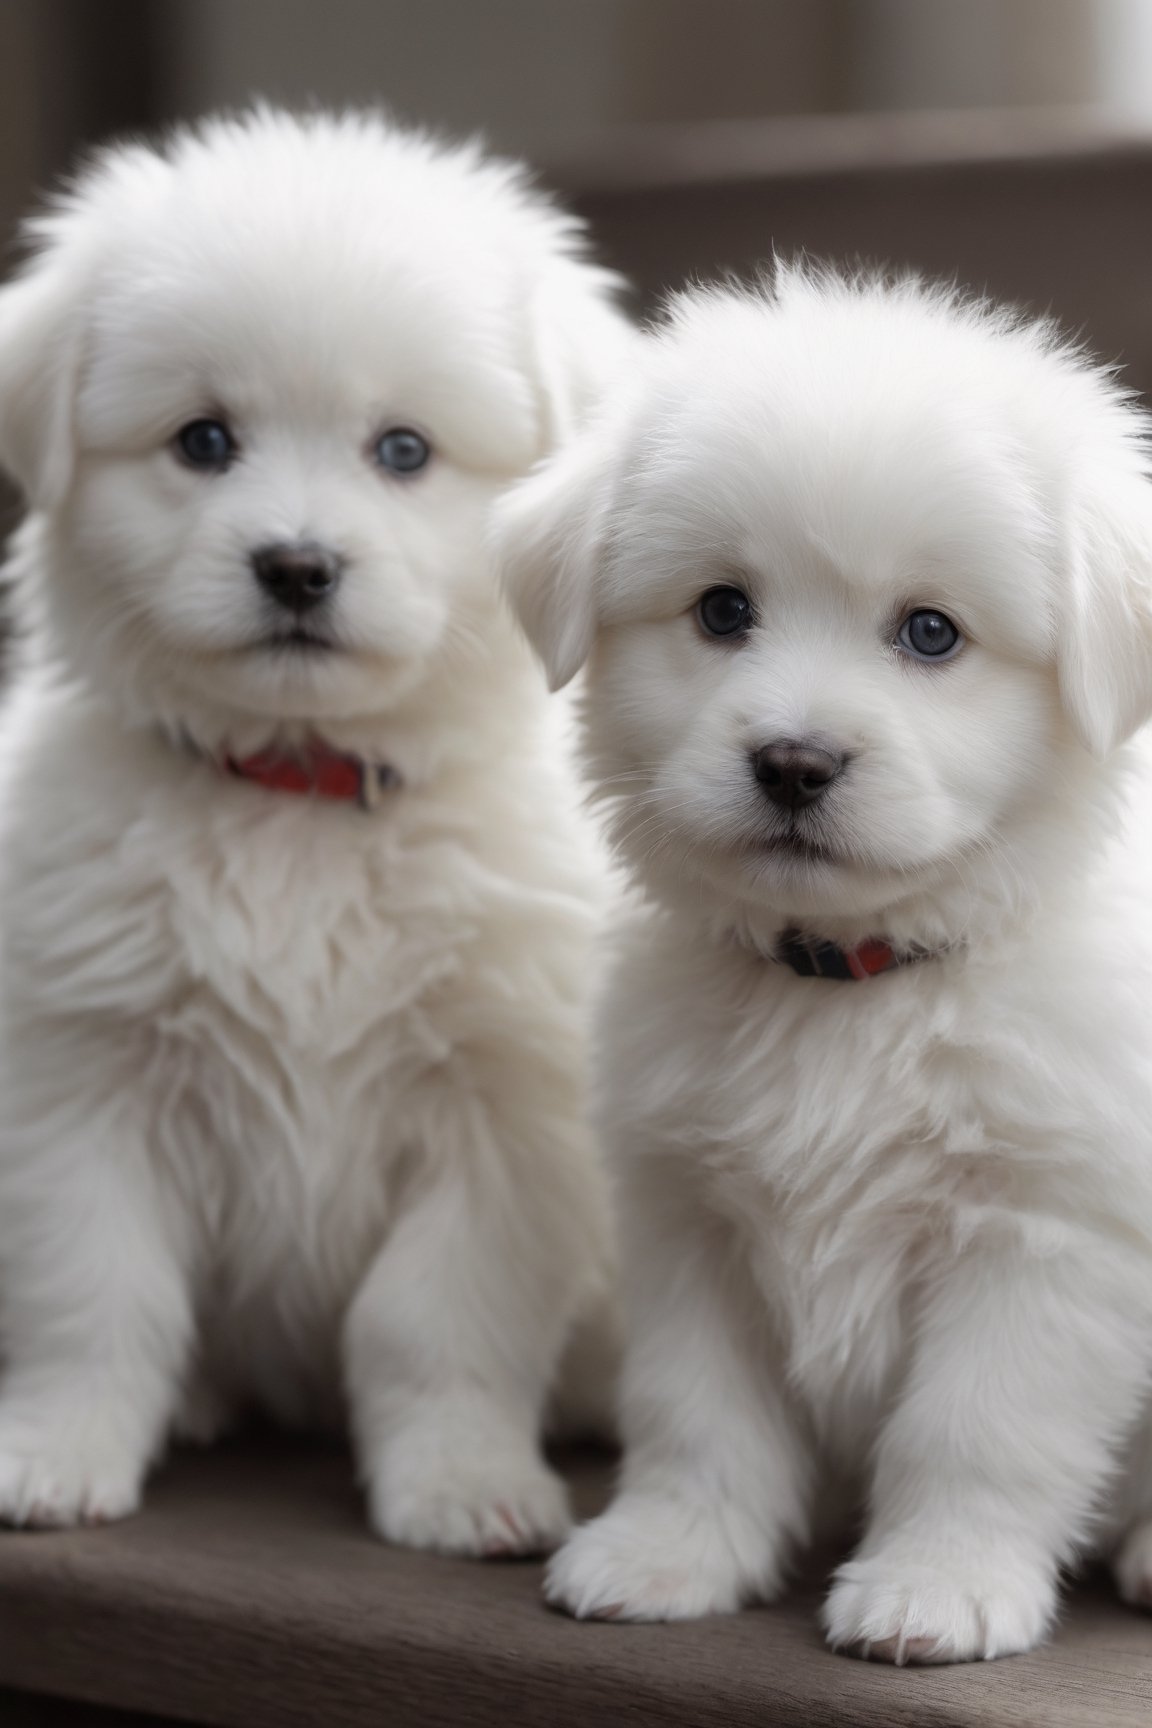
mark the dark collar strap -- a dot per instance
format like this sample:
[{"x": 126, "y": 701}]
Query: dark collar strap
[{"x": 814, "y": 959}]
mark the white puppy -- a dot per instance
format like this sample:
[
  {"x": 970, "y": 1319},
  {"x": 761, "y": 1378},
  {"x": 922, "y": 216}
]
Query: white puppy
[
  {"x": 290, "y": 1086},
  {"x": 865, "y": 575}
]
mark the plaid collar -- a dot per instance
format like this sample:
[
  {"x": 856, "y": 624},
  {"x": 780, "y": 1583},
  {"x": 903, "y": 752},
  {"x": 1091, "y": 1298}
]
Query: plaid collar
[
  {"x": 815, "y": 959},
  {"x": 315, "y": 770}
]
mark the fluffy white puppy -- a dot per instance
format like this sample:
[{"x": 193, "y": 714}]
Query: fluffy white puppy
[
  {"x": 865, "y": 575},
  {"x": 290, "y": 1086}
]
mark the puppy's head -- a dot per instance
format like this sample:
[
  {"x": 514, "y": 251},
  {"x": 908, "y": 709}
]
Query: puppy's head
[
  {"x": 865, "y": 576},
  {"x": 260, "y": 387}
]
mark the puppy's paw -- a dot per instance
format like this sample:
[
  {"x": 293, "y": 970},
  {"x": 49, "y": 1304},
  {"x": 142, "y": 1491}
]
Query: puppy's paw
[
  {"x": 890, "y": 1610},
  {"x": 653, "y": 1559},
  {"x": 489, "y": 1507},
  {"x": 61, "y": 1478},
  {"x": 1132, "y": 1566}
]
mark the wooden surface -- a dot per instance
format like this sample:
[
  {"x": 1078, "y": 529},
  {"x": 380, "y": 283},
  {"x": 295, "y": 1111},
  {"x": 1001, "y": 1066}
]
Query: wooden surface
[
  {"x": 34, "y": 1710},
  {"x": 250, "y": 1595}
]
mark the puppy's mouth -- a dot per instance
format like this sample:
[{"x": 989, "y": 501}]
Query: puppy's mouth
[
  {"x": 794, "y": 846},
  {"x": 299, "y": 640}
]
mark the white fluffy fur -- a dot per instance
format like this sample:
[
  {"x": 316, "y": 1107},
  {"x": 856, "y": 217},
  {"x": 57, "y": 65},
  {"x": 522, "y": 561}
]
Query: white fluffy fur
[
  {"x": 290, "y": 1093},
  {"x": 893, "y": 1235}
]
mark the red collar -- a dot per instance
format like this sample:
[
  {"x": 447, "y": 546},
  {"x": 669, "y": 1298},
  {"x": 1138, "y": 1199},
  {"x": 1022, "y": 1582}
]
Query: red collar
[
  {"x": 318, "y": 771},
  {"x": 814, "y": 959}
]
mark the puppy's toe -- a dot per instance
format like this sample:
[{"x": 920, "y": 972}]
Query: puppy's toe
[
  {"x": 59, "y": 1481},
  {"x": 1132, "y": 1566},
  {"x": 490, "y": 1509},
  {"x": 899, "y": 1651},
  {"x": 908, "y": 1614},
  {"x": 654, "y": 1560}
]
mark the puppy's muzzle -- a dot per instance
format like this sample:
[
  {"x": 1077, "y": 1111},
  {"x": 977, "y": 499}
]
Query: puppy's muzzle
[
  {"x": 793, "y": 773},
  {"x": 299, "y": 576}
]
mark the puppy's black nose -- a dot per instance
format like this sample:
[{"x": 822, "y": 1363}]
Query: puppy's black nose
[
  {"x": 298, "y": 576},
  {"x": 794, "y": 773}
]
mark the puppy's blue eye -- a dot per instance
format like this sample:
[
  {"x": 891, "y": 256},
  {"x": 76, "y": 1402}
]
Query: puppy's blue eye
[
  {"x": 402, "y": 450},
  {"x": 929, "y": 635},
  {"x": 724, "y": 612},
  {"x": 206, "y": 444}
]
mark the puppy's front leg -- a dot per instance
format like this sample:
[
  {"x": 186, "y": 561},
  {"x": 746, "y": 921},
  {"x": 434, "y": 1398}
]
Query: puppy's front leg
[
  {"x": 454, "y": 1337},
  {"x": 1026, "y": 1373},
  {"x": 1131, "y": 1519},
  {"x": 716, "y": 1477},
  {"x": 95, "y": 1325}
]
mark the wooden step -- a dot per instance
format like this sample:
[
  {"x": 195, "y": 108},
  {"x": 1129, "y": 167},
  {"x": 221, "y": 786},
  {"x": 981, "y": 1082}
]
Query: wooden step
[{"x": 249, "y": 1594}]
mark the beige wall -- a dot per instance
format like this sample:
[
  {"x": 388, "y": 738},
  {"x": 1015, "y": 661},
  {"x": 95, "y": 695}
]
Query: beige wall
[
  {"x": 541, "y": 76},
  {"x": 533, "y": 74},
  {"x": 977, "y": 53},
  {"x": 538, "y": 75}
]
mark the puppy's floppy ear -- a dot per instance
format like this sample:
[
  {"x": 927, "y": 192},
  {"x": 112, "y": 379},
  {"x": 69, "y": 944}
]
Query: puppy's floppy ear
[
  {"x": 550, "y": 535},
  {"x": 1104, "y": 650},
  {"x": 41, "y": 334}
]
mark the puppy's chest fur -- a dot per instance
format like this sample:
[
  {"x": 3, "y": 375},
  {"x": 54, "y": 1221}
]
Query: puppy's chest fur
[
  {"x": 278, "y": 984},
  {"x": 854, "y": 1139},
  {"x": 843, "y": 1192}
]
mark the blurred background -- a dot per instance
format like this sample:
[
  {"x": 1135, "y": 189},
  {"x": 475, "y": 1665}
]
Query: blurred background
[{"x": 1007, "y": 142}]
